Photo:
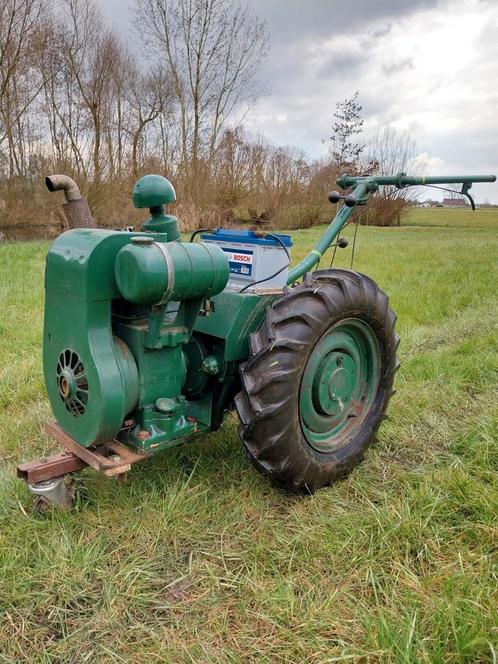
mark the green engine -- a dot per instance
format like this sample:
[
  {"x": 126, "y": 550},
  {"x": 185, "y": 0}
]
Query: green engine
[
  {"x": 149, "y": 339},
  {"x": 136, "y": 345}
]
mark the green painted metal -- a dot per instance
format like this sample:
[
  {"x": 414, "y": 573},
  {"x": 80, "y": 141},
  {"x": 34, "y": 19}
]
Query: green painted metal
[
  {"x": 331, "y": 232},
  {"x": 160, "y": 222},
  {"x": 107, "y": 358},
  {"x": 196, "y": 379},
  {"x": 236, "y": 316},
  {"x": 211, "y": 365},
  {"x": 148, "y": 271},
  {"x": 402, "y": 180},
  {"x": 140, "y": 342},
  {"x": 143, "y": 341},
  {"x": 363, "y": 186},
  {"x": 79, "y": 346},
  {"x": 154, "y": 192},
  {"x": 339, "y": 384}
]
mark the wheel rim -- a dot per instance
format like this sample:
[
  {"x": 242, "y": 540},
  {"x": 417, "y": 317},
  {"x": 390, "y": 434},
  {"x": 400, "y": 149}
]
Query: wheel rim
[{"x": 339, "y": 384}]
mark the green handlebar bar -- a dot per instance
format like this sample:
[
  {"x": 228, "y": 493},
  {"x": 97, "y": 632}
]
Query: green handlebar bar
[
  {"x": 363, "y": 186},
  {"x": 402, "y": 180}
]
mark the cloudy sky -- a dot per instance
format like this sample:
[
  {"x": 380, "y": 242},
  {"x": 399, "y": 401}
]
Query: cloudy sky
[{"x": 425, "y": 66}]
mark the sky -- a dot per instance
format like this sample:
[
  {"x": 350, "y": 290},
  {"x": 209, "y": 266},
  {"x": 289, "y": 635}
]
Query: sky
[{"x": 425, "y": 66}]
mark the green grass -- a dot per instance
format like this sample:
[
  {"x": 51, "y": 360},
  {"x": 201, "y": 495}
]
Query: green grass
[{"x": 198, "y": 559}]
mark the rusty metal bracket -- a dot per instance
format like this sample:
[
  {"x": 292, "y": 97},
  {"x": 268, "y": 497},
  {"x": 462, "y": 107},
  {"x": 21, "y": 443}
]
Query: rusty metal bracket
[
  {"x": 113, "y": 459},
  {"x": 48, "y": 468}
]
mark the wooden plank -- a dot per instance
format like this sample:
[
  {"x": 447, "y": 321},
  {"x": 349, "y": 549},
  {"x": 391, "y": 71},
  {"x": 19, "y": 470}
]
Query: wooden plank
[
  {"x": 98, "y": 458},
  {"x": 93, "y": 459},
  {"x": 128, "y": 455},
  {"x": 47, "y": 468},
  {"x": 117, "y": 470},
  {"x": 76, "y": 457}
]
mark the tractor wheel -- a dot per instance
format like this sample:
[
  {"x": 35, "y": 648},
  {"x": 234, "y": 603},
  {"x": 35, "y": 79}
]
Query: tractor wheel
[{"x": 318, "y": 379}]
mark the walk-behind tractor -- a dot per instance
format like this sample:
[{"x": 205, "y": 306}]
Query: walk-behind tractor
[{"x": 149, "y": 340}]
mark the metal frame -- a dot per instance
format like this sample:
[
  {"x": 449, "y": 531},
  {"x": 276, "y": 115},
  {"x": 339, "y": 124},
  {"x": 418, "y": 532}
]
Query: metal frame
[{"x": 113, "y": 459}]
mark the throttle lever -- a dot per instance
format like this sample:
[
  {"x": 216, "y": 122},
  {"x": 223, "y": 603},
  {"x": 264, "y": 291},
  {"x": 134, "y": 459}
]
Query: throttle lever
[{"x": 349, "y": 200}]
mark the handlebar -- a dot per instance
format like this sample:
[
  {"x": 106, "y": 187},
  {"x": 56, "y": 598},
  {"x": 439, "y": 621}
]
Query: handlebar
[
  {"x": 402, "y": 180},
  {"x": 363, "y": 186}
]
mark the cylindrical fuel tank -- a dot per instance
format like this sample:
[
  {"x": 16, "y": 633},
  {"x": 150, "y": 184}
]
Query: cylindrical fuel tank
[{"x": 150, "y": 272}]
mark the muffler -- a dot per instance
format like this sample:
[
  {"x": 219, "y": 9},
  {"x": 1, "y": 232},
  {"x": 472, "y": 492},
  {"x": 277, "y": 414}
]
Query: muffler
[{"x": 76, "y": 208}]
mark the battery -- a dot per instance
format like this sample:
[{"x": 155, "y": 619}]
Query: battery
[{"x": 253, "y": 257}]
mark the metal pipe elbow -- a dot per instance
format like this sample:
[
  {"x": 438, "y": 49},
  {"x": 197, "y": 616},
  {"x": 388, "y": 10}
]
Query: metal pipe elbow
[
  {"x": 76, "y": 208},
  {"x": 64, "y": 183}
]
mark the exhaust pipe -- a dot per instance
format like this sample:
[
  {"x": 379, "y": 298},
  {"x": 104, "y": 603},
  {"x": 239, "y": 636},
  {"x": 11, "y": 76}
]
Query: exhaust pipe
[{"x": 76, "y": 208}]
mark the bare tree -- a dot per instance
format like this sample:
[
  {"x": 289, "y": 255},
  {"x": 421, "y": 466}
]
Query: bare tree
[
  {"x": 21, "y": 31},
  {"x": 392, "y": 151},
  {"x": 233, "y": 168},
  {"x": 149, "y": 96},
  {"x": 65, "y": 114},
  {"x": 93, "y": 54},
  {"x": 347, "y": 126},
  {"x": 213, "y": 50},
  {"x": 395, "y": 151}
]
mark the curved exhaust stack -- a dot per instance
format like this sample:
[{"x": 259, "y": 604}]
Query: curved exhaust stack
[
  {"x": 76, "y": 208},
  {"x": 67, "y": 184}
]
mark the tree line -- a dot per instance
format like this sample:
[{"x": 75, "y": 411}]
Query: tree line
[{"x": 76, "y": 98}]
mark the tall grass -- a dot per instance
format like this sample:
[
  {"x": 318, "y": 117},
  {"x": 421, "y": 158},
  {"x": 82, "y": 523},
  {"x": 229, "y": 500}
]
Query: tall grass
[{"x": 198, "y": 559}]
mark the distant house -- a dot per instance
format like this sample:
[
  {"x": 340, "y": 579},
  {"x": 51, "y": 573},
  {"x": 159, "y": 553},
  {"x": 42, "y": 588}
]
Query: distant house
[{"x": 455, "y": 202}]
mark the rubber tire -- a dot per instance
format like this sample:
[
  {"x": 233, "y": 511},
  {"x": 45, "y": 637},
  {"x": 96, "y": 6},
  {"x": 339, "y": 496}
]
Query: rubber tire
[{"x": 268, "y": 403}]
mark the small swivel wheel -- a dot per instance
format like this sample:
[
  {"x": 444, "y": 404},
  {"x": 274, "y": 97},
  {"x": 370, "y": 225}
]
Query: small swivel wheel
[
  {"x": 57, "y": 492},
  {"x": 318, "y": 379}
]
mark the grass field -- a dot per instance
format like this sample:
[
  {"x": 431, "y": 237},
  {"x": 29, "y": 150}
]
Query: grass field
[{"x": 198, "y": 559}]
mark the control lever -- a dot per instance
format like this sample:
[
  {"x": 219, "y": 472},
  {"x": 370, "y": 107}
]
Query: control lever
[{"x": 349, "y": 200}]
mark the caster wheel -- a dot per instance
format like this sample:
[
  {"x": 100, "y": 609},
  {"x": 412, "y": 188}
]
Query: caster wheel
[{"x": 56, "y": 493}]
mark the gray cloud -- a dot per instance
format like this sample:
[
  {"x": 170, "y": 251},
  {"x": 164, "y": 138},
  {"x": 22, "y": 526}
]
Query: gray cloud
[
  {"x": 396, "y": 67},
  {"x": 297, "y": 19},
  {"x": 382, "y": 31},
  {"x": 341, "y": 65},
  {"x": 429, "y": 67}
]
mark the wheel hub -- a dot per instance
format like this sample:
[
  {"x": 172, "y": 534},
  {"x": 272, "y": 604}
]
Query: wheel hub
[
  {"x": 67, "y": 385},
  {"x": 339, "y": 384},
  {"x": 72, "y": 382},
  {"x": 334, "y": 383}
]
